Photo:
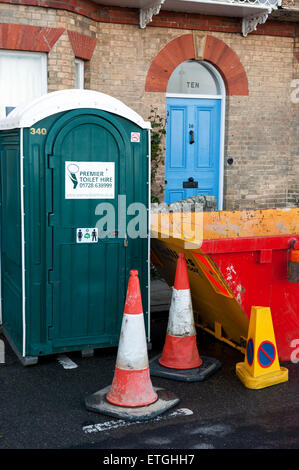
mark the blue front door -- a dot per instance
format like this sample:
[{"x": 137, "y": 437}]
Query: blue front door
[{"x": 192, "y": 148}]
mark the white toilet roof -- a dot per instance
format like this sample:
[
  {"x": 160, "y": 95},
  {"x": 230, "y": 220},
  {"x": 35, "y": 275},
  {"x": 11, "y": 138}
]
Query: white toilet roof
[{"x": 65, "y": 100}]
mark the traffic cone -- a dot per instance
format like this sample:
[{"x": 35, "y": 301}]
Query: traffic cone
[
  {"x": 261, "y": 366},
  {"x": 131, "y": 384},
  {"x": 180, "y": 359},
  {"x": 131, "y": 395}
]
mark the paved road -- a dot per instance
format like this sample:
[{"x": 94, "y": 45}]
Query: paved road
[{"x": 42, "y": 406}]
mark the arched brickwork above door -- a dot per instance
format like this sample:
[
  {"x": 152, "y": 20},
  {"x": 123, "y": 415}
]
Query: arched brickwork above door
[{"x": 214, "y": 51}]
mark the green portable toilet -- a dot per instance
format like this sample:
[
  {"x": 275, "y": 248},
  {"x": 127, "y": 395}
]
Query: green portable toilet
[{"x": 74, "y": 221}]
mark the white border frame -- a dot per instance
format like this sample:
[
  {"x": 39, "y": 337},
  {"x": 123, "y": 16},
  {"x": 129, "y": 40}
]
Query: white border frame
[
  {"x": 23, "y": 241},
  {"x": 149, "y": 238},
  {"x": 22, "y": 215},
  {"x": 221, "y": 97},
  {"x": 188, "y": 95}
]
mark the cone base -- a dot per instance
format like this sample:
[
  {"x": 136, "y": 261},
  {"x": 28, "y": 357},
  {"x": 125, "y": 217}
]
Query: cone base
[
  {"x": 209, "y": 366},
  {"x": 180, "y": 352},
  {"x": 131, "y": 388},
  {"x": 98, "y": 403},
  {"x": 263, "y": 381}
]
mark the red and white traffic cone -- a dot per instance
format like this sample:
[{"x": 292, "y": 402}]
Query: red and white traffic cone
[
  {"x": 180, "y": 359},
  {"x": 180, "y": 348},
  {"x": 131, "y": 395},
  {"x": 131, "y": 384}
]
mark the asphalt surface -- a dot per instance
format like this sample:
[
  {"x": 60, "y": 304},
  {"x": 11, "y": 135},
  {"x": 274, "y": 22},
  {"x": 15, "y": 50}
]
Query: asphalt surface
[{"x": 42, "y": 406}]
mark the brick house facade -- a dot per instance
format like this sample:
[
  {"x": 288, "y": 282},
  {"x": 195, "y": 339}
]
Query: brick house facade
[{"x": 133, "y": 64}]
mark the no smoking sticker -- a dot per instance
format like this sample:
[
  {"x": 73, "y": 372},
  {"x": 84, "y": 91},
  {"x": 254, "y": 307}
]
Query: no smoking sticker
[{"x": 135, "y": 136}]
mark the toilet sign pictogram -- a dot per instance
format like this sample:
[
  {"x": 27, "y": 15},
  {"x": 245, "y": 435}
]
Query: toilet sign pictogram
[
  {"x": 266, "y": 354},
  {"x": 87, "y": 235}
]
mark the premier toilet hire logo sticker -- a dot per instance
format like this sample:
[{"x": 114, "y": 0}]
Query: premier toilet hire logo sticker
[{"x": 89, "y": 180}]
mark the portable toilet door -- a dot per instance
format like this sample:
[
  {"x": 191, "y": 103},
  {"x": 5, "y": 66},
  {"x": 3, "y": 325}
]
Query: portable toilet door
[{"x": 74, "y": 176}]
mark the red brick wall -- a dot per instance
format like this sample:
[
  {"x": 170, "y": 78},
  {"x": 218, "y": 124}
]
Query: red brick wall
[
  {"x": 215, "y": 51},
  {"x": 28, "y": 38},
  {"x": 83, "y": 46}
]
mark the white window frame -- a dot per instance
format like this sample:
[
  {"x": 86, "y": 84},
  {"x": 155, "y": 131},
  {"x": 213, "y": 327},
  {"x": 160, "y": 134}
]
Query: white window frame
[
  {"x": 79, "y": 66},
  {"x": 44, "y": 71}
]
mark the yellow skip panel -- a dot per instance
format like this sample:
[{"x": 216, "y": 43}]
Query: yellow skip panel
[{"x": 228, "y": 224}]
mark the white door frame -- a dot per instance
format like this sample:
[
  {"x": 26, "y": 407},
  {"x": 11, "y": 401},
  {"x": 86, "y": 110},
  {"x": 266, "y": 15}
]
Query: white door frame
[{"x": 221, "y": 97}]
